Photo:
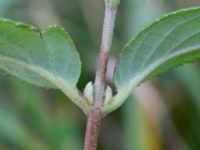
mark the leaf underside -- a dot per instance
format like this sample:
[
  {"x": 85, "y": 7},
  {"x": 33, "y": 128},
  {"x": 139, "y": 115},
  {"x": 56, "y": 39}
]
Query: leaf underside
[
  {"x": 46, "y": 59},
  {"x": 170, "y": 41}
]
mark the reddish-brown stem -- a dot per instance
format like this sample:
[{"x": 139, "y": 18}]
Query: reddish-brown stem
[
  {"x": 92, "y": 129},
  {"x": 94, "y": 117},
  {"x": 99, "y": 86}
]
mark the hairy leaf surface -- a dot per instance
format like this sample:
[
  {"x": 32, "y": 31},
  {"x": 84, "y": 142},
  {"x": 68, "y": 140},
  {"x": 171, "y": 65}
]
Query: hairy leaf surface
[
  {"x": 46, "y": 59},
  {"x": 168, "y": 42}
]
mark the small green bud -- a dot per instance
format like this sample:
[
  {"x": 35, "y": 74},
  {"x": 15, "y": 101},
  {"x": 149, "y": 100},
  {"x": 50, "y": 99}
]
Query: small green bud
[
  {"x": 108, "y": 96},
  {"x": 113, "y": 3},
  {"x": 88, "y": 92}
]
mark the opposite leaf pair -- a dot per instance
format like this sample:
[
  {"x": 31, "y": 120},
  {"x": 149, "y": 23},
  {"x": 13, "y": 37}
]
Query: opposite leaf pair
[{"x": 49, "y": 59}]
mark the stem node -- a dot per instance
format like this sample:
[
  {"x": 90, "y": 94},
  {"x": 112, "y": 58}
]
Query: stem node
[{"x": 94, "y": 117}]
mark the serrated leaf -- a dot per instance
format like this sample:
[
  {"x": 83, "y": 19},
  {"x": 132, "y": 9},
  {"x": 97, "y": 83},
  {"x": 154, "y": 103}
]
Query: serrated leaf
[
  {"x": 168, "y": 42},
  {"x": 46, "y": 59}
]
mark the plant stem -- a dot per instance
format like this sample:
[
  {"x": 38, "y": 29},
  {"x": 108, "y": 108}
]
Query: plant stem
[
  {"x": 99, "y": 85},
  {"x": 94, "y": 117},
  {"x": 92, "y": 130}
]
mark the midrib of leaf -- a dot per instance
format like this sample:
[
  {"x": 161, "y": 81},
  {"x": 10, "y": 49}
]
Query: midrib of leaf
[
  {"x": 122, "y": 94},
  {"x": 172, "y": 49},
  {"x": 162, "y": 60},
  {"x": 44, "y": 74},
  {"x": 165, "y": 37},
  {"x": 139, "y": 63},
  {"x": 145, "y": 35},
  {"x": 16, "y": 47},
  {"x": 29, "y": 60},
  {"x": 32, "y": 54},
  {"x": 70, "y": 90},
  {"x": 159, "y": 23}
]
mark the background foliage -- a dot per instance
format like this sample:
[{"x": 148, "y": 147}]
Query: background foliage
[{"x": 162, "y": 114}]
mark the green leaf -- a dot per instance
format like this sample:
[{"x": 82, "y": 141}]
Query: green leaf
[
  {"x": 46, "y": 59},
  {"x": 168, "y": 42}
]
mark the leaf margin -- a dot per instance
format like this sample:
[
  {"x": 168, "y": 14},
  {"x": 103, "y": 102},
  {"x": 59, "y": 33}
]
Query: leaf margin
[
  {"x": 70, "y": 91},
  {"x": 124, "y": 91}
]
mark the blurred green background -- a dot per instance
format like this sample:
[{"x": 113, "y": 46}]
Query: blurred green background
[{"x": 163, "y": 114}]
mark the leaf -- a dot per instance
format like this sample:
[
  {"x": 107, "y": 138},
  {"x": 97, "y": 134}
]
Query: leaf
[
  {"x": 48, "y": 59},
  {"x": 168, "y": 42}
]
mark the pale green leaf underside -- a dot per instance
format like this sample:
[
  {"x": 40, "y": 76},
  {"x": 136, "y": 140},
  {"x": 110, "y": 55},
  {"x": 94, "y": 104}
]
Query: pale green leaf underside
[
  {"x": 46, "y": 59},
  {"x": 168, "y": 42}
]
